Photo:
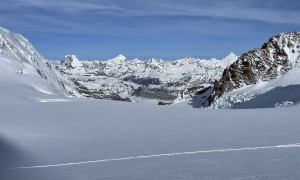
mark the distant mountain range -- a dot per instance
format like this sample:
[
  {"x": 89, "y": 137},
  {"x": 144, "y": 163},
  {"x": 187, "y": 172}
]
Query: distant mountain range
[
  {"x": 136, "y": 80},
  {"x": 210, "y": 83}
]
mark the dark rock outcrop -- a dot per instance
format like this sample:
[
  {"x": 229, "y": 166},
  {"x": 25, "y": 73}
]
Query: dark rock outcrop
[{"x": 276, "y": 57}]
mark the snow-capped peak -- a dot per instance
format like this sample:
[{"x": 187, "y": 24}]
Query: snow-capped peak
[
  {"x": 230, "y": 58},
  {"x": 153, "y": 61},
  {"x": 231, "y": 55},
  {"x": 72, "y": 60},
  {"x": 119, "y": 59},
  {"x": 4, "y": 30}
]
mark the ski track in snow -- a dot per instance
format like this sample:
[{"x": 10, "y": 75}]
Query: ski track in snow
[
  {"x": 296, "y": 145},
  {"x": 51, "y": 100}
]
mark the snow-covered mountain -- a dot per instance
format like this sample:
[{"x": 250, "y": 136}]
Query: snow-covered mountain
[
  {"x": 257, "y": 72},
  {"x": 116, "y": 79},
  {"x": 25, "y": 71},
  {"x": 133, "y": 80},
  {"x": 86, "y": 138},
  {"x": 264, "y": 77}
]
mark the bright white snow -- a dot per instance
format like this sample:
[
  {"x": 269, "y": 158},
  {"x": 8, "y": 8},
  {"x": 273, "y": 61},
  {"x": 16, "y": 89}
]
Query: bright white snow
[
  {"x": 97, "y": 139},
  {"x": 45, "y": 135},
  {"x": 15, "y": 84}
]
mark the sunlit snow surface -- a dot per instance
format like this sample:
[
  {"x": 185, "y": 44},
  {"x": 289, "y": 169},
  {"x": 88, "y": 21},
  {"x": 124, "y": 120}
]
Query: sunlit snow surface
[
  {"x": 97, "y": 139},
  {"x": 46, "y": 136}
]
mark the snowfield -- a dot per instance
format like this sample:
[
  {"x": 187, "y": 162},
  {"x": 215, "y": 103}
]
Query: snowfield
[
  {"x": 46, "y": 133},
  {"x": 98, "y": 139}
]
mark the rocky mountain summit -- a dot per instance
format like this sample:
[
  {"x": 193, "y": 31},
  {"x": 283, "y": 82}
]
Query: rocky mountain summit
[{"x": 274, "y": 59}]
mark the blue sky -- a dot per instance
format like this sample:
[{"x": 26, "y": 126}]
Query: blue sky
[{"x": 168, "y": 29}]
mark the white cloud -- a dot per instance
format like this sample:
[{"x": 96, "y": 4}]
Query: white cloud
[
  {"x": 68, "y": 6},
  {"x": 239, "y": 10},
  {"x": 242, "y": 10}
]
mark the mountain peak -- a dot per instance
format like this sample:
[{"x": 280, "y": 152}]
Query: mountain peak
[
  {"x": 71, "y": 57},
  {"x": 276, "y": 57},
  {"x": 231, "y": 57},
  {"x": 121, "y": 56},
  {"x": 4, "y": 30},
  {"x": 72, "y": 60},
  {"x": 119, "y": 59},
  {"x": 232, "y": 54}
]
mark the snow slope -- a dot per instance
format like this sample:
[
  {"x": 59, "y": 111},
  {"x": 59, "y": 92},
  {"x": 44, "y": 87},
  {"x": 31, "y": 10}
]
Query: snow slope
[
  {"x": 21, "y": 81},
  {"x": 17, "y": 53},
  {"x": 92, "y": 139},
  {"x": 264, "y": 94}
]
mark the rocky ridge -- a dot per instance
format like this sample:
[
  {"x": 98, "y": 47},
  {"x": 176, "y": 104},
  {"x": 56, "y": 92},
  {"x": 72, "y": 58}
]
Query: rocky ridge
[{"x": 274, "y": 59}]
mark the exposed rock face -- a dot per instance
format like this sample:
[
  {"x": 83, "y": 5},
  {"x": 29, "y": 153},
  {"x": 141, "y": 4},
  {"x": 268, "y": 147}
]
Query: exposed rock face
[
  {"x": 157, "y": 80},
  {"x": 97, "y": 93},
  {"x": 276, "y": 57},
  {"x": 155, "y": 93}
]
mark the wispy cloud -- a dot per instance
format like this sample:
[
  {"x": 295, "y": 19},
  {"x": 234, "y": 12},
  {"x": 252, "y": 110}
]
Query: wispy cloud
[
  {"x": 256, "y": 10},
  {"x": 240, "y": 10},
  {"x": 177, "y": 26},
  {"x": 71, "y": 6},
  {"x": 145, "y": 17}
]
